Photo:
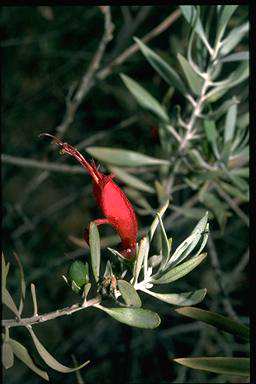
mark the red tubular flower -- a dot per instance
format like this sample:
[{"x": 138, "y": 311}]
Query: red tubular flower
[{"x": 115, "y": 206}]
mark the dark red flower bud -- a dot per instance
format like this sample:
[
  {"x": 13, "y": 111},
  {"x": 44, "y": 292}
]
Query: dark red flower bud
[{"x": 115, "y": 206}]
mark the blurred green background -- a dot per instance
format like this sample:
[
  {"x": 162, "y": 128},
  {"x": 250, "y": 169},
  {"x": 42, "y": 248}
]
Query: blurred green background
[{"x": 46, "y": 50}]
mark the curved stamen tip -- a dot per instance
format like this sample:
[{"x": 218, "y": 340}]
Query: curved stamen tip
[{"x": 54, "y": 138}]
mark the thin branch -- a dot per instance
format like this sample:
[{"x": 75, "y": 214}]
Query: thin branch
[
  {"x": 85, "y": 84},
  {"x": 242, "y": 264},
  {"x": 45, "y": 165},
  {"x": 232, "y": 204},
  {"x": 220, "y": 279},
  {"x": 49, "y": 316},
  {"x": 33, "y": 294},
  {"x": 128, "y": 29},
  {"x": 103, "y": 73}
]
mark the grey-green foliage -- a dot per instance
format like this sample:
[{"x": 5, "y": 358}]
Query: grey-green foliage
[
  {"x": 207, "y": 134},
  {"x": 123, "y": 287},
  {"x": 233, "y": 366}
]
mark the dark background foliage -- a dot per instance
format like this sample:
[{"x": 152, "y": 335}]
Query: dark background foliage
[{"x": 44, "y": 51}]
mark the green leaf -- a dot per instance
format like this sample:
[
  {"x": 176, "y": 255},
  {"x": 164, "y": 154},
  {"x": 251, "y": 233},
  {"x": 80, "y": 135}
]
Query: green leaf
[
  {"x": 211, "y": 134},
  {"x": 242, "y": 172},
  {"x": 192, "y": 16},
  {"x": 5, "y": 270},
  {"x": 22, "y": 284},
  {"x": 94, "y": 240},
  {"x": 156, "y": 219},
  {"x": 238, "y": 56},
  {"x": 199, "y": 233},
  {"x": 226, "y": 13},
  {"x": 135, "y": 317},
  {"x": 234, "y": 366},
  {"x": 87, "y": 288},
  {"x": 195, "y": 82},
  {"x": 138, "y": 198},
  {"x": 235, "y": 192},
  {"x": 165, "y": 246},
  {"x": 210, "y": 131},
  {"x": 226, "y": 152},
  {"x": 221, "y": 322},
  {"x": 49, "y": 359},
  {"x": 162, "y": 67},
  {"x": 143, "y": 252},
  {"x": 230, "y": 123},
  {"x": 191, "y": 213},
  {"x": 129, "y": 294},
  {"x": 236, "y": 77},
  {"x": 21, "y": 353},
  {"x": 218, "y": 207},
  {"x": 198, "y": 160},
  {"x": 233, "y": 38},
  {"x": 79, "y": 273},
  {"x": 7, "y": 355},
  {"x": 184, "y": 298},
  {"x": 8, "y": 301},
  {"x": 123, "y": 157},
  {"x": 144, "y": 98},
  {"x": 131, "y": 180},
  {"x": 179, "y": 271}
]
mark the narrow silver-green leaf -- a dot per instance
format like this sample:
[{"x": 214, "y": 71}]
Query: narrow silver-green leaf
[
  {"x": 234, "y": 366},
  {"x": 236, "y": 77},
  {"x": 94, "y": 240},
  {"x": 195, "y": 82},
  {"x": 233, "y": 38},
  {"x": 235, "y": 192},
  {"x": 184, "y": 298},
  {"x": 226, "y": 13},
  {"x": 230, "y": 123},
  {"x": 8, "y": 301},
  {"x": 165, "y": 246},
  {"x": 192, "y": 213},
  {"x": 123, "y": 157},
  {"x": 144, "y": 98},
  {"x": 212, "y": 201},
  {"x": 49, "y": 359},
  {"x": 179, "y": 271},
  {"x": 192, "y": 16},
  {"x": 218, "y": 321},
  {"x": 156, "y": 220},
  {"x": 238, "y": 56},
  {"x": 162, "y": 67},
  {"x": 22, "y": 284},
  {"x": 143, "y": 252},
  {"x": 21, "y": 353},
  {"x": 199, "y": 233},
  {"x": 129, "y": 294},
  {"x": 7, "y": 355},
  {"x": 138, "y": 198},
  {"x": 211, "y": 134},
  {"x": 5, "y": 270},
  {"x": 131, "y": 180},
  {"x": 135, "y": 317}
]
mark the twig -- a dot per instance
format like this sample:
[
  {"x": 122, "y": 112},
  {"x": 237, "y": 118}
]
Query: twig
[
  {"x": 129, "y": 28},
  {"x": 232, "y": 205},
  {"x": 219, "y": 278},
  {"x": 103, "y": 73},
  {"x": 85, "y": 84},
  {"x": 196, "y": 112},
  {"x": 242, "y": 264},
  {"x": 33, "y": 294},
  {"x": 45, "y": 165},
  {"x": 49, "y": 316}
]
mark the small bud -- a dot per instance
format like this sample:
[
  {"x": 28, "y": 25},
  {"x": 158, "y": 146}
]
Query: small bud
[{"x": 78, "y": 274}]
